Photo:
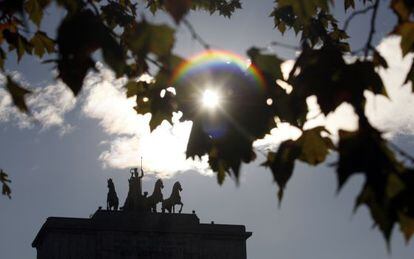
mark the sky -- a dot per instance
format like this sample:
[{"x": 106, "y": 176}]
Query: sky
[{"x": 59, "y": 163}]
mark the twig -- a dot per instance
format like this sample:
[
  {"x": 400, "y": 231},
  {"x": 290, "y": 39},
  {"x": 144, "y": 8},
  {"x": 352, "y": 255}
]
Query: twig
[
  {"x": 284, "y": 45},
  {"x": 368, "y": 45},
  {"x": 195, "y": 35},
  {"x": 95, "y": 9},
  {"x": 401, "y": 152},
  {"x": 356, "y": 13},
  {"x": 155, "y": 62}
]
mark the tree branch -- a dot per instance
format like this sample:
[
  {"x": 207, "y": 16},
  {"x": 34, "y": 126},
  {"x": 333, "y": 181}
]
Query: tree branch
[
  {"x": 401, "y": 152},
  {"x": 354, "y": 14},
  {"x": 195, "y": 35},
  {"x": 284, "y": 45},
  {"x": 368, "y": 45}
]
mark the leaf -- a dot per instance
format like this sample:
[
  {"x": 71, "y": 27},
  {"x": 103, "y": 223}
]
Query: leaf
[
  {"x": 2, "y": 59},
  {"x": 311, "y": 148},
  {"x": 34, "y": 10},
  {"x": 79, "y": 35},
  {"x": 282, "y": 164},
  {"x": 18, "y": 94},
  {"x": 378, "y": 60},
  {"x": 305, "y": 9},
  {"x": 17, "y": 42},
  {"x": 42, "y": 44},
  {"x": 269, "y": 64},
  {"x": 349, "y": 4},
  {"x": 113, "y": 54},
  {"x": 177, "y": 8},
  {"x": 136, "y": 88},
  {"x": 406, "y": 31},
  {"x": 410, "y": 76},
  {"x": 223, "y": 7},
  {"x": 146, "y": 37},
  {"x": 403, "y": 9},
  {"x": 314, "y": 147},
  {"x": 4, "y": 179},
  {"x": 406, "y": 226}
]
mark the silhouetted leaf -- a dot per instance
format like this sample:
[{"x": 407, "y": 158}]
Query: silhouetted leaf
[
  {"x": 42, "y": 44},
  {"x": 136, "y": 88},
  {"x": 177, "y": 8},
  {"x": 406, "y": 225},
  {"x": 224, "y": 7},
  {"x": 2, "y": 58},
  {"x": 18, "y": 94},
  {"x": 403, "y": 9},
  {"x": 378, "y": 60},
  {"x": 79, "y": 36},
  {"x": 410, "y": 76},
  {"x": 145, "y": 38},
  {"x": 17, "y": 42},
  {"x": 35, "y": 9},
  {"x": 268, "y": 64},
  {"x": 282, "y": 163},
  {"x": 314, "y": 147},
  {"x": 4, "y": 179},
  {"x": 406, "y": 30},
  {"x": 349, "y": 4},
  {"x": 304, "y": 9}
]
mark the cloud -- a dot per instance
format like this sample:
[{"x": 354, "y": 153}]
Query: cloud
[
  {"x": 48, "y": 106},
  {"x": 163, "y": 150},
  {"x": 393, "y": 115}
]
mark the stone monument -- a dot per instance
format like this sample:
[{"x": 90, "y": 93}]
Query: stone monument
[{"x": 137, "y": 230}]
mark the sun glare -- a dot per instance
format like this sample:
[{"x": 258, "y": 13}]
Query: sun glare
[{"x": 210, "y": 99}]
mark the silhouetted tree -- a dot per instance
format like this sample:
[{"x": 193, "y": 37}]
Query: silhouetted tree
[{"x": 130, "y": 45}]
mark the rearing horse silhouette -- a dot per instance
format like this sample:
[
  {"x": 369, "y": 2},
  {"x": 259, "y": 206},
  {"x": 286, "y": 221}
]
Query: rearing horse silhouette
[
  {"x": 112, "y": 201},
  {"x": 175, "y": 199},
  {"x": 155, "y": 197}
]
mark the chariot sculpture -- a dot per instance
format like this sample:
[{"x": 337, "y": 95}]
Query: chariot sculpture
[{"x": 138, "y": 202}]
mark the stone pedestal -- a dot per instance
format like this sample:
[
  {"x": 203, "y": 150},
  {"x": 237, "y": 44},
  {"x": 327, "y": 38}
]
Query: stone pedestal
[{"x": 119, "y": 234}]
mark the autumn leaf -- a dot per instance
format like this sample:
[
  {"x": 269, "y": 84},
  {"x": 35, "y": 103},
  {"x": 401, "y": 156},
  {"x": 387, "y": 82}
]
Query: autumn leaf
[
  {"x": 35, "y": 10},
  {"x": 403, "y": 9},
  {"x": 18, "y": 94},
  {"x": 305, "y": 9},
  {"x": 378, "y": 60},
  {"x": 177, "y": 8},
  {"x": 406, "y": 31},
  {"x": 349, "y": 4},
  {"x": 282, "y": 164},
  {"x": 148, "y": 38},
  {"x": 4, "y": 179},
  {"x": 42, "y": 44},
  {"x": 314, "y": 147}
]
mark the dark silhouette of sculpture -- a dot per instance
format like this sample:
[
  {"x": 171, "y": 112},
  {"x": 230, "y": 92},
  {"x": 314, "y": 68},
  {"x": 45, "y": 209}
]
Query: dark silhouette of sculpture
[
  {"x": 174, "y": 199},
  {"x": 112, "y": 201},
  {"x": 135, "y": 200},
  {"x": 155, "y": 197}
]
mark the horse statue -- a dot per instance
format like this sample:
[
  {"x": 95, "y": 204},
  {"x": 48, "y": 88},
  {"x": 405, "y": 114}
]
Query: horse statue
[
  {"x": 112, "y": 201},
  {"x": 155, "y": 197},
  {"x": 175, "y": 199}
]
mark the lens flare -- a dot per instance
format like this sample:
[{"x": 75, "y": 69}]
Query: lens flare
[{"x": 210, "y": 99}]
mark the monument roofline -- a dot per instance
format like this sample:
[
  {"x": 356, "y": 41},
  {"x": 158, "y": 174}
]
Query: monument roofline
[{"x": 104, "y": 220}]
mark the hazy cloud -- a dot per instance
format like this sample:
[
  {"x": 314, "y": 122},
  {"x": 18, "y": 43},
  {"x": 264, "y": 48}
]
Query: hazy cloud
[
  {"x": 163, "y": 150},
  {"x": 48, "y": 105},
  {"x": 393, "y": 115},
  {"x": 103, "y": 98}
]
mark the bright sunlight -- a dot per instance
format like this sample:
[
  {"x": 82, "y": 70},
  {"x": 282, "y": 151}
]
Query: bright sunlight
[{"x": 210, "y": 99}]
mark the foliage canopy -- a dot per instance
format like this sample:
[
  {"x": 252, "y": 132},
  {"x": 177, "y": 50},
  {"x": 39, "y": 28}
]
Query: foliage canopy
[{"x": 130, "y": 45}]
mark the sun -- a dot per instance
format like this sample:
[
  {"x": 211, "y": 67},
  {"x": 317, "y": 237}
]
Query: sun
[{"x": 210, "y": 99}]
